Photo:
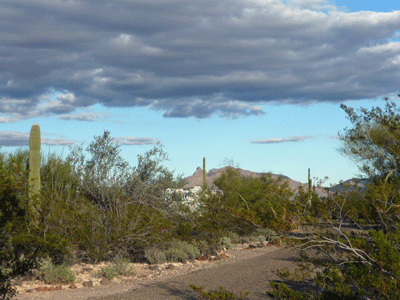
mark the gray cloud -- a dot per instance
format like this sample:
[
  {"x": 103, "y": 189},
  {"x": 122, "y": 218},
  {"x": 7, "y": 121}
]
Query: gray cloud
[
  {"x": 17, "y": 138},
  {"x": 91, "y": 117},
  {"x": 126, "y": 140},
  {"x": 192, "y": 58},
  {"x": 295, "y": 138}
]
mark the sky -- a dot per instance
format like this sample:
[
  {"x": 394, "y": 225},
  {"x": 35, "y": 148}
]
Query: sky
[{"x": 255, "y": 82}]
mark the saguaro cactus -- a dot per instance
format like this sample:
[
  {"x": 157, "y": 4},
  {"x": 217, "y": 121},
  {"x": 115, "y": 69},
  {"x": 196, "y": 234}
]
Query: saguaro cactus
[
  {"x": 309, "y": 188},
  {"x": 34, "y": 167},
  {"x": 204, "y": 174}
]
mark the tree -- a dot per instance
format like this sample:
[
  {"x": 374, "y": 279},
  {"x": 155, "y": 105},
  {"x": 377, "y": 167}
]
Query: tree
[
  {"x": 374, "y": 140},
  {"x": 104, "y": 174}
]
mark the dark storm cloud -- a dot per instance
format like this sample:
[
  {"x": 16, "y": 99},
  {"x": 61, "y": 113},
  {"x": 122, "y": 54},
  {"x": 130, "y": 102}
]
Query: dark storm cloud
[{"x": 190, "y": 58}]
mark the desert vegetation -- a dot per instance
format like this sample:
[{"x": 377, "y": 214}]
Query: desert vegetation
[{"x": 93, "y": 206}]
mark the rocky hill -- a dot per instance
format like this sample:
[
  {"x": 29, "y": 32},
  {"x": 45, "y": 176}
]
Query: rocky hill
[{"x": 197, "y": 179}]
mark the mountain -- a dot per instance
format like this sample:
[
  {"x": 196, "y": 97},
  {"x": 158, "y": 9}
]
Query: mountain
[{"x": 197, "y": 179}]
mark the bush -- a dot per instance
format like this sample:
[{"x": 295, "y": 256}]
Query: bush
[
  {"x": 215, "y": 295},
  {"x": 155, "y": 256},
  {"x": 176, "y": 255},
  {"x": 177, "y": 252},
  {"x": 191, "y": 251},
  {"x": 225, "y": 242},
  {"x": 119, "y": 267},
  {"x": 233, "y": 236},
  {"x": 204, "y": 247},
  {"x": 52, "y": 274}
]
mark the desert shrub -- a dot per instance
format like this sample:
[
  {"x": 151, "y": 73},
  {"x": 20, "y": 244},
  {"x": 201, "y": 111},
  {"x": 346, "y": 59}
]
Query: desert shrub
[
  {"x": 14, "y": 261},
  {"x": 155, "y": 256},
  {"x": 204, "y": 247},
  {"x": 176, "y": 254},
  {"x": 214, "y": 295},
  {"x": 250, "y": 203},
  {"x": 233, "y": 236},
  {"x": 52, "y": 274},
  {"x": 120, "y": 266},
  {"x": 225, "y": 242},
  {"x": 181, "y": 250},
  {"x": 252, "y": 239}
]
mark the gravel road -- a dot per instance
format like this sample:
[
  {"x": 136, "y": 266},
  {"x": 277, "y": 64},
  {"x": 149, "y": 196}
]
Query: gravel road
[{"x": 248, "y": 270}]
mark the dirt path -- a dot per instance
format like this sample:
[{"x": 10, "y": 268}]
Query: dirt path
[{"x": 248, "y": 270}]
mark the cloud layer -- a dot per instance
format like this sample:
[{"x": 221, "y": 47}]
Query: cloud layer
[
  {"x": 17, "y": 138},
  {"x": 295, "y": 138},
  {"x": 190, "y": 58}
]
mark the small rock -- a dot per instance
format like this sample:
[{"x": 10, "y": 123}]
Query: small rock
[
  {"x": 72, "y": 286},
  {"x": 222, "y": 256},
  {"x": 105, "y": 281},
  {"x": 201, "y": 258},
  {"x": 87, "y": 283}
]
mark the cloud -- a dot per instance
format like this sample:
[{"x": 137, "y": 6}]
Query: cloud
[
  {"x": 90, "y": 117},
  {"x": 17, "y": 138},
  {"x": 126, "y": 140},
  {"x": 295, "y": 138},
  {"x": 190, "y": 59}
]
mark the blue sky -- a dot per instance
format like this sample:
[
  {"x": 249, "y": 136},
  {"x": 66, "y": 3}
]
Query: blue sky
[{"x": 259, "y": 82}]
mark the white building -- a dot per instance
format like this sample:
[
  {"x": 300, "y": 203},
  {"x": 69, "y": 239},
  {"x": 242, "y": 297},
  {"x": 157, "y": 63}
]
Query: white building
[{"x": 188, "y": 197}]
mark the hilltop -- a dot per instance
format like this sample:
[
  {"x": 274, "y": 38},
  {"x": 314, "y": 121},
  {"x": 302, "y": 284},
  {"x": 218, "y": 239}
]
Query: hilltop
[{"x": 197, "y": 180}]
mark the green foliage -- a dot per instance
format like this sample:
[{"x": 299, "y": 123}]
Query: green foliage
[
  {"x": 14, "y": 261},
  {"x": 259, "y": 202},
  {"x": 233, "y": 236},
  {"x": 282, "y": 291},
  {"x": 214, "y": 295},
  {"x": 373, "y": 140},
  {"x": 225, "y": 242},
  {"x": 176, "y": 252},
  {"x": 181, "y": 250},
  {"x": 155, "y": 256},
  {"x": 119, "y": 267},
  {"x": 52, "y": 274}
]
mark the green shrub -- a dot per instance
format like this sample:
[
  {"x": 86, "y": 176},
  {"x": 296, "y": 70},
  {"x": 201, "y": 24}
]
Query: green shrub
[
  {"x": 155, "y": 256},
  {"x": 52, "y": 274},
  {"x": 252, "y": 239},
  {"x": 235, "y": 238},
  {"x": 176, "y": 255},
  {"x": 191, "y": 251},
  {"x": 225, "y": 242},
  {"x": 204, "y": 247},
  {"x": 215, "y": 295},
  {"x": 120, "y": 266}
]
